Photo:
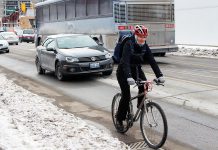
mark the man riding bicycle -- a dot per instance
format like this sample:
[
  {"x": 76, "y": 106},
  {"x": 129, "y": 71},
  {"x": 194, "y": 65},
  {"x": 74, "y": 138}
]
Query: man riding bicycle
[{"x": 135, "y": 52}]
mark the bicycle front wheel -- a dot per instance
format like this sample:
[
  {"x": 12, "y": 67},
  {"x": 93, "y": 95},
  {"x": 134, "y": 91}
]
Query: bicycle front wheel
[{"x": 153, "y": 125}]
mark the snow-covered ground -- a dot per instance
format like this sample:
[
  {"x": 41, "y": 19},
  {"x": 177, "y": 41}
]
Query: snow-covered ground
[
  {"x": 197, "y": 51},
  {"x": 29, "y": 121}
]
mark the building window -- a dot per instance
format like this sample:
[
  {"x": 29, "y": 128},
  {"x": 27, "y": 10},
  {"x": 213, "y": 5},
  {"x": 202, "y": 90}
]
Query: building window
[
  {"x": 53, "y": 12},
  {"x": 80, "y": 8},
  {"x": 61, "y": 11},
  {"x": 46, "y": 14},
  {"x": 92, "y": 7},
  {"x": 105, "y": 7},
  {"x": 40, "y": 14},
  {"x": 70, "y": 9}
]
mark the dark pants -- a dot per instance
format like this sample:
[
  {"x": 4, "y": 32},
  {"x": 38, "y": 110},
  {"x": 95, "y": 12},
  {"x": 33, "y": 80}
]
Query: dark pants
[{"x": 125, "y": 90}]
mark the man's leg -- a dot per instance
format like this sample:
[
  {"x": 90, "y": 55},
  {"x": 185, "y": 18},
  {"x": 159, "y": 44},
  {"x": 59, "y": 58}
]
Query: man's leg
[
  {"x": 124, "y": 102},
  {"x": 141, "y": 88}
]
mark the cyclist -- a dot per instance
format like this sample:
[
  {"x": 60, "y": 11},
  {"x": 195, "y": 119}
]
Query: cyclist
[{"x": 135, "y": 52}]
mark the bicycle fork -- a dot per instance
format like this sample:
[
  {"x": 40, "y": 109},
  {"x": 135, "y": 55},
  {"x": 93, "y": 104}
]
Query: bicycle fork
[{"x": 150, "y": 119}]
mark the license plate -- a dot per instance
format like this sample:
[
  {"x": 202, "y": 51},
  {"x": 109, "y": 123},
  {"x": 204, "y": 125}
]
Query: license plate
[{"x": 94, "y": 65}]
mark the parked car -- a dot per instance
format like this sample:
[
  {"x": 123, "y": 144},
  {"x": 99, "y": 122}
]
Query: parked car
[
  {"x": 3, "y": 45},
  {"x": 70, "y": 54},
  {"x": 19, "y": 33},
  {"x": 11, "y": 37},
  {"x": 28, "y": 36}
]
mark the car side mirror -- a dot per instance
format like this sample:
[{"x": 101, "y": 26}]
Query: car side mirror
[
  {"x": 50, "y": 49},
  {"x": 100, "y": 43},
  {"x": 97, "y": 41}
]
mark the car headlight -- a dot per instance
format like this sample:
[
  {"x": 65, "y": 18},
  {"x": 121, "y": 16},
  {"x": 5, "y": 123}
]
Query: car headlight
[
  {"x": 108, "y": 55},
  {"x": 72, "y": 59}
]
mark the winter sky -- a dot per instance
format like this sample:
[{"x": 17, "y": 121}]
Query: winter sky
[{"x": 196, "y": 22}]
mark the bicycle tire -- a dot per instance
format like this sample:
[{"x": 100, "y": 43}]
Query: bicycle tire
[
  {"x": 114, "y": 108},
  {"x": 147, "y": 129}
]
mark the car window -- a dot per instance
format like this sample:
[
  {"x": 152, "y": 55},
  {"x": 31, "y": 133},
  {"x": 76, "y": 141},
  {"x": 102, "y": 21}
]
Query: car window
[
  {"x": 8, "y": 34},
  {"x": 45, "y": 43},
  {"x": 51, "y": 44},
  {"x": 1, "y": 38},
  {"x": 28, "y": 32},
  {"x": 68, "y": 42}
]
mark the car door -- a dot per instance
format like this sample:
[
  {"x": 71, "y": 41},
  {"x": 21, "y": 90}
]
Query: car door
[
  {"x": 43, "y": 54},
  {"x": 51, "y": 55}
]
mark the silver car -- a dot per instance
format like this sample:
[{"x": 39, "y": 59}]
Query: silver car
[
  {"x": 70, "y": 54},
  {"x": 3, "y": 45},
  {"x": 11, "y": 37}
]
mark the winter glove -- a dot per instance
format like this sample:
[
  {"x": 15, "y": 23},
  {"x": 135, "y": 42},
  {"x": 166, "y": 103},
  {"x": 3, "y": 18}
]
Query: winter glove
[{"x": 130, "y": 81}]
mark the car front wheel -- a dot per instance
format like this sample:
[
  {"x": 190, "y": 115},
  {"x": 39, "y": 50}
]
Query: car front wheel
[
  {"x": 40, "y": 70},
  {"x": 58, "y": 72}
]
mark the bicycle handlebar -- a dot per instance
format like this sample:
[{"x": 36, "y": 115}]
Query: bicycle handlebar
[{"x": 141, "y": 82}]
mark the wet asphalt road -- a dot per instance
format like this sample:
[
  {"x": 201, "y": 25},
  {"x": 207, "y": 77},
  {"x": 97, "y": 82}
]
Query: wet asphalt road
[{"x": 90, "y": 98}]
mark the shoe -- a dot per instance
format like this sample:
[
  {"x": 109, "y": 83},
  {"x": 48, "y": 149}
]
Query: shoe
[{"x": 120, "y": 125}]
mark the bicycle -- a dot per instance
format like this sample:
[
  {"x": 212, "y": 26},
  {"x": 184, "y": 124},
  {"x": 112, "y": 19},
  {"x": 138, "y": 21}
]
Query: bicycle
[{"x": 147, "y": 111}]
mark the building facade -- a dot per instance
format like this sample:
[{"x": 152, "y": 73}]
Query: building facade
[{"x": 11, "y": 12}]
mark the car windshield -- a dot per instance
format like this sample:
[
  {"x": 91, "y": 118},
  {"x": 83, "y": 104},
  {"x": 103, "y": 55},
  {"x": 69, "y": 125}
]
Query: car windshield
[
  {"x": 1, "y": 38},
  {"x": 69, "y": 42},
  {"x": 8, "y": 34},
  {"x": 28, "y": 32}
]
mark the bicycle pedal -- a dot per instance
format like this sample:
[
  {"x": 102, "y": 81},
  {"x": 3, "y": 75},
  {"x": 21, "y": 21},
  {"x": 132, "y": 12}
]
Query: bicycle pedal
[{"x": 130, "y": 124}]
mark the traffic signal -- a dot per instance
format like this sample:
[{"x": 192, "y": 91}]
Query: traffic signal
[{"x": 23, "y": 7}]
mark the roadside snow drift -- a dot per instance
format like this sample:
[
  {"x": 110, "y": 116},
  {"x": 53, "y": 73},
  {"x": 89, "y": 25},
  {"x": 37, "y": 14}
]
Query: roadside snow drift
[
  {"x": 197, "y": 51},
  {"x": 29, "y": 121}
]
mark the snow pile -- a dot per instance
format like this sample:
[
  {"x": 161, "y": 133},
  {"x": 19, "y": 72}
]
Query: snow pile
[
  {"x": 28, "y": 121},
  {"x": 198, "y": 51}
]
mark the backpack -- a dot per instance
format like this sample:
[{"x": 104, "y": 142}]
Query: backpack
[{"x": 123, "y": 37}]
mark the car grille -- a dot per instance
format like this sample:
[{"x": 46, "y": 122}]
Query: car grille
[{"x": 88, "y": 59}]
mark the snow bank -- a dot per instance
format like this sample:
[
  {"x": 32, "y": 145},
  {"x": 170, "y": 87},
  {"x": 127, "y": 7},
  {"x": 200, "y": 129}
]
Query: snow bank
[
  {"x": 198, "y": 51},
  {"x": 28, "y": 121}
]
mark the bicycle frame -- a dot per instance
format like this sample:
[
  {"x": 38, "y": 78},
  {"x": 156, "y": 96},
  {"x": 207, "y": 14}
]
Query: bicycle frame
[
  {"x": 147, "y": 88},
  {"x": 147, "y": 112}
]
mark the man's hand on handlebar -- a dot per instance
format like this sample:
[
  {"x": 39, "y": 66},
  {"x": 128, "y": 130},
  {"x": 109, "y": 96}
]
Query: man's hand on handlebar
[{"x": 130, "y": 81}]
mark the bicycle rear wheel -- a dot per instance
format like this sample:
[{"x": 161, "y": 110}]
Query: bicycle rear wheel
[
  {"x": 153, "y": 124},
  {"x": 114, "y": 109}
]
